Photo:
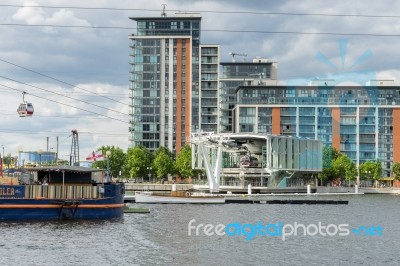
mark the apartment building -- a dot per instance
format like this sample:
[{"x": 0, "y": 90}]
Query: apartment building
[{"x": 360, "y": 121}]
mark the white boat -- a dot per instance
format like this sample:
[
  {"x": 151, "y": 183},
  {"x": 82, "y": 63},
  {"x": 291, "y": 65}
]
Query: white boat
[{"x": 178, "y": 198}]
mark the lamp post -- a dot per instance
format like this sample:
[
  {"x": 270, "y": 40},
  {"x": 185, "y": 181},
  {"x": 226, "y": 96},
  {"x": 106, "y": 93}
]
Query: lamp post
[
  {"x": 149, "y": 168},
  {"x": 137, "y": 178},
  {"x": 368, "y": 174},
  {"x": 108, "y": 156}
]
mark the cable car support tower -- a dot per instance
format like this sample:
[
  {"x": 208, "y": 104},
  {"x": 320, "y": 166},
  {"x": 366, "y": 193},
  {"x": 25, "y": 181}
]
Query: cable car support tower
[{"x": 74, "y": 155}]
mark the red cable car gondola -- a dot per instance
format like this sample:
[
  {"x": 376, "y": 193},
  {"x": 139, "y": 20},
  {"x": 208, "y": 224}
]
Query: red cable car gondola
[{"x": 25, "y": 108}]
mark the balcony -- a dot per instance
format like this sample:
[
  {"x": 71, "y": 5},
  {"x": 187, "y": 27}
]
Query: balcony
[
  {"x": 367, "y": 140},
  {"x": 367, "y": 158},
  {"x": 303, "y": 121},
  {"x": 348, "y": 147},
  {"x": 209, "y": 121},
  {"x": 309, "y": 135},
  {"x": 204, "y": 113}
]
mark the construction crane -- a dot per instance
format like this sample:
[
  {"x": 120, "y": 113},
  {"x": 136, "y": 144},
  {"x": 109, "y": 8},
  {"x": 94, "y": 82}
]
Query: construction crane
[
  {"x": 233, "y": 54},
  {"x": 74, "y": 155}
]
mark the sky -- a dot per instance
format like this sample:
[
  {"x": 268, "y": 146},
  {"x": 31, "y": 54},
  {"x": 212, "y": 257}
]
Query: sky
[{"x": 75, "y": 70}]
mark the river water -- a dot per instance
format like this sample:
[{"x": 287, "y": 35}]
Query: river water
[{"x": 161, "y": 237}]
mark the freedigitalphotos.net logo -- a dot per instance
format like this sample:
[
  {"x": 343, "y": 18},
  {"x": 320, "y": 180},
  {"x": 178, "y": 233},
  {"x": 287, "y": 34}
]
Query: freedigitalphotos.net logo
[
  {"x": 348, "y": 82},
  {"x": 351, "y": 69},
  {"x": 284, "y": 231},
  {"x": 352, "y": 83}
]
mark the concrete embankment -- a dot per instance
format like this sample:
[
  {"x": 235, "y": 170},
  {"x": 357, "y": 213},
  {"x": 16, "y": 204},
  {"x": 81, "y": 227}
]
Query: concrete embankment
[
  {"x": 321, "y": 190},
  {"x": 364, "y": 190},
  {"x": 130, "y": 187}
]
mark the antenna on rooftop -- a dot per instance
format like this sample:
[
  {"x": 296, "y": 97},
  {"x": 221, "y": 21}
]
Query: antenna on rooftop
[{"x": 163, "y": 14}]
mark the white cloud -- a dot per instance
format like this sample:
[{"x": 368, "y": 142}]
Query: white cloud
[
  {"x": 29, "y": 14},
  {"x": 66, "y": 17},
  {"x": 391, "y": 74},
  {"x": 32, "y": 14}
]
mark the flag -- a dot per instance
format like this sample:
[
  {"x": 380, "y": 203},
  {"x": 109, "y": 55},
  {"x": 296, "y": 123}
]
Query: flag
[{"x": 95, "y": 156}]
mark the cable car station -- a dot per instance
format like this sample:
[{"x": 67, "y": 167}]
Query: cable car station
[{"x": 262, "y": 160}]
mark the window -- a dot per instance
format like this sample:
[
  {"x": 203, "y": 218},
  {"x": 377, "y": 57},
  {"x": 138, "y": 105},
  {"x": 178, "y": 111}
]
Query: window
[{"x": 174, "y": 25}]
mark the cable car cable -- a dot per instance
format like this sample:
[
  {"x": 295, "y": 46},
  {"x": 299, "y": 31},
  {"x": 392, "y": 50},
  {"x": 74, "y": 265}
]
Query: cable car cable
[
  {"x": 99, "y": 106},
  {"x": 205, "y": 11},
  {"x": 58, "y": 80},
  {"x": 216, "y": 30},
  {"x": 116, "y": 119}
]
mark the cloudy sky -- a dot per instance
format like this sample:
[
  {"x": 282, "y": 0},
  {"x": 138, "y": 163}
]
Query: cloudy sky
[{"x": 76, "y": 73}]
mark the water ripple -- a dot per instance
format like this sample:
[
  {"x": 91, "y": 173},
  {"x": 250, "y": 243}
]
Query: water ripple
[{"x": 161, "y": 237}]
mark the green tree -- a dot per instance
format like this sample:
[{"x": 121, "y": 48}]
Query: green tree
[
  {"x": 345, "y": 168},
  {"x": 371, "y": 170},
  {"x": 138, "y": 160},
  {"x": 329, "y": 154},
  {"x": 184, "y": 162},
  {"x": 117, "y": 160},
  {"x": 327, "y": 174},
  {"x": 396, "y": 170},
  {"x": 7, "y": 160},
  {"x": 165, "y": 150},
  {"x": 163, "y": 163},
  {"x": 62, "y": 162},
  {"x": 198, "y": 173}
]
